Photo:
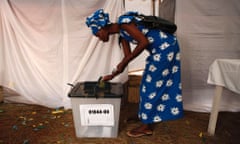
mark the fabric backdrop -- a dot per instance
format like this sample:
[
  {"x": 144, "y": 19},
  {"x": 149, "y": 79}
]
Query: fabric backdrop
[
  {"x": 46, "y": 44},
  {"x": 207, "y": 30}
]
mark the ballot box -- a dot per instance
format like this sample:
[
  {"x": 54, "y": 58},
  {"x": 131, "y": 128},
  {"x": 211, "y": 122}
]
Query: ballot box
[{"x": 96, "y": 108}]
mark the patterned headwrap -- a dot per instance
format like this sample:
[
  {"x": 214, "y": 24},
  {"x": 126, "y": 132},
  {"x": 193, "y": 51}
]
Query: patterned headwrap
[{"x": 97, "y": 20}]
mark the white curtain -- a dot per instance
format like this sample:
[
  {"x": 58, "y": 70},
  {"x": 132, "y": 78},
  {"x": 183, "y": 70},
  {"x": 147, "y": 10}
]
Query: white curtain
[
  {"x": 45, "y": 44},
  {"x": 207, "y": 30}
]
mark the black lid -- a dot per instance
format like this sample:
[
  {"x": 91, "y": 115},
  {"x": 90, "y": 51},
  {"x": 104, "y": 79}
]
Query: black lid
[{"x": 91, "y": 89}]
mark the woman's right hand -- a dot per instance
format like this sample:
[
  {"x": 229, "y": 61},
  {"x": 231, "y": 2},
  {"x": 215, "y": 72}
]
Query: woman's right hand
[
  {"x": 114, "y": 73},
  {"x": 107, "y": 77}
]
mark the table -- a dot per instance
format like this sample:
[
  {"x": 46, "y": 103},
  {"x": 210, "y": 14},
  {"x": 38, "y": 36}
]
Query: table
[{"x": 224, "y": 73}]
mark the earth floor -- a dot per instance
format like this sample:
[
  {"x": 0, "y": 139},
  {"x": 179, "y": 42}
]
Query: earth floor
[{"x": 33, "y": 124}]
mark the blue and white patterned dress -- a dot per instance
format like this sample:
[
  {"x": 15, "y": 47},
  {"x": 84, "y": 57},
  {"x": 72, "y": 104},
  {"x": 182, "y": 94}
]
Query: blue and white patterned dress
[{"x": 160, "y": 89}]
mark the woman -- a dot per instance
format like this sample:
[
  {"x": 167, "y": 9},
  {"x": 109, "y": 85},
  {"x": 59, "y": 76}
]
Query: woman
[{"x": 160, "y": 89}]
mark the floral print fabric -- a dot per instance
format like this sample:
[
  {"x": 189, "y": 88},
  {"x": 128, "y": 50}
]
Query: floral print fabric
[
  {"x": 160, "y": 89},
  {"x": 97, "y": 20}
]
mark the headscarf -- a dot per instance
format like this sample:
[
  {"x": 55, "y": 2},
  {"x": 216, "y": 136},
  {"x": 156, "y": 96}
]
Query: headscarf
[{"x": 97, "y": 20}]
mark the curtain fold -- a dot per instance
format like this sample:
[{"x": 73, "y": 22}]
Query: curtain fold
[
  {"x": 167, "y": 9},
  {"x": 207, "y": 30},
  {"x": 46, "y": 44}
]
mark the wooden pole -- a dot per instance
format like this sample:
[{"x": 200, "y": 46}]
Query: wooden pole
[{"x": 153, "y": 7}]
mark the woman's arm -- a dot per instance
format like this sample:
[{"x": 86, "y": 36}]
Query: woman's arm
[
  {"x": 142, "y": 43},
  {"x": 126, "y": 47}
]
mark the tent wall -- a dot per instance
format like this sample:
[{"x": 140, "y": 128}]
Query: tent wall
[
  {"x": 46, "y": 44},
  {"x": 207, "y": 30}
]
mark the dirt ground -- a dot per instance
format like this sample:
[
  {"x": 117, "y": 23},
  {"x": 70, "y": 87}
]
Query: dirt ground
[{"x": 33, "y": 124}]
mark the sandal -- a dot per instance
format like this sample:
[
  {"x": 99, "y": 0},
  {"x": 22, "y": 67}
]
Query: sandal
[
  {"x": 132, "y": 119},
  {"x": 138, "y": 132}
]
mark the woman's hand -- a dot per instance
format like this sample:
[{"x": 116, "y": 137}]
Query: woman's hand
[
  {"x": 111, "y": 76},
  {"x": 120, "y": 68},
  {"x": 107, "y": 77},
  {"x": 116, "y": 71}
]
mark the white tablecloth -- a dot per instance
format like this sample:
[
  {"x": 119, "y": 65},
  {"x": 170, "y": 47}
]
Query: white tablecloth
[
  {"x": 226, "y": 73},
  {"x": 222, "y": 73}
]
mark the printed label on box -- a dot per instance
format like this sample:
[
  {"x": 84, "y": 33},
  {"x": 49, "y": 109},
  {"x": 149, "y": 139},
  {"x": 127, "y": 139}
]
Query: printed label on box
[{"x": 97, "y": 114}]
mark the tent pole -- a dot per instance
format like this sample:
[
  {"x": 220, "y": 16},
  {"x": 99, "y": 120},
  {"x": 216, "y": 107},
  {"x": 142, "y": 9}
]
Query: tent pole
[
  {"x": 153, "y": 7},
  {"x": 159, "y": 5}
]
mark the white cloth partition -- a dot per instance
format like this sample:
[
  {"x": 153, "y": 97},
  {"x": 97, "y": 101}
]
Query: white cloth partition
[
  {"x": 46, "y": 44},
  {"x": 207, "y": 30}
]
